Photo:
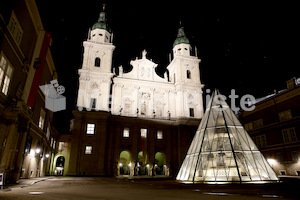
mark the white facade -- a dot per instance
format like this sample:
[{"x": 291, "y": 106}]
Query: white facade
[
  {"x": 95, "y": 74},
  {"x": 140, "y": 92}
]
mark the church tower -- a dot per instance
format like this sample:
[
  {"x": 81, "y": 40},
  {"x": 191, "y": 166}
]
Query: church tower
[
  {"x": 185, "y": 74},
  {"x": 96, "y": 72}
]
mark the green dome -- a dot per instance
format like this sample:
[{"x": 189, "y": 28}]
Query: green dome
[
  {"x": 101, "y": 24},
  {"x": 181, "y": 38}
]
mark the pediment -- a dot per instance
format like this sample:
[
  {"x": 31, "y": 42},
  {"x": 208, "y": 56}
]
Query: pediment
[{"x": 144, "y": 69}]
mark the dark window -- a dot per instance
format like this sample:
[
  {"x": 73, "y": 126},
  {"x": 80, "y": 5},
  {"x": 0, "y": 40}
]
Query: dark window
[
  {"x": 188, "y": 74},
  {"x": 282, "y": 172},
  {"x": 97, "y": 62},
  {"x": 191, "y": 112},
  {"x": 294, "y": 156},
  {"x": 28, "y": 144},
  {"x": 93, "y": 103},
  {"x": 279, "y": 157},
  {"x": 100, "y": 34}
]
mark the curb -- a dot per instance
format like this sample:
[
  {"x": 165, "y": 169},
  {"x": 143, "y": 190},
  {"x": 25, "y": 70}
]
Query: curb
[{"x": 13, "y": 186}]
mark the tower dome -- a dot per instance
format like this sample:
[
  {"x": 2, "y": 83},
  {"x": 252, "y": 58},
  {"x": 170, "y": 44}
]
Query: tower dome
[
  {"x": 181, "y": 38},
  {"x": 101, "y": 24}
]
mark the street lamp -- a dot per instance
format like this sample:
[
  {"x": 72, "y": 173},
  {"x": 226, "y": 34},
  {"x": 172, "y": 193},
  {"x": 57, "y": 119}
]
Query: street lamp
[
  {"x": 271, "y": 161},
  {"x": 38, "y": 150}
]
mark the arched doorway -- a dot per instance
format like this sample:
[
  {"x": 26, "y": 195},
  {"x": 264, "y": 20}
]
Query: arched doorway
[
  {"x": 143, "y": 167},
  {"x": 159, "y": 163},
  {"x": 59, "y": 167},
  {"x": 124, "y": 163}
]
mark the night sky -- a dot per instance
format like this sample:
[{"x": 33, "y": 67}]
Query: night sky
[{"x": 250, "y": 47}]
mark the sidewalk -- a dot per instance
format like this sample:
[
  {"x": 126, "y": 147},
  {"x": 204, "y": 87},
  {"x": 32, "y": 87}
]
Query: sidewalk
[
  {"x": 24, "y": 182},
  {"x": 145, "y": 177}
]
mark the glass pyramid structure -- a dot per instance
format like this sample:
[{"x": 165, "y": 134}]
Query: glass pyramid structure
[{"x": 222, "y": 150}]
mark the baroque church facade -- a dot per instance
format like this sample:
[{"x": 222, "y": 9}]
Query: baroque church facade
[{"x": 134, "y": 123}]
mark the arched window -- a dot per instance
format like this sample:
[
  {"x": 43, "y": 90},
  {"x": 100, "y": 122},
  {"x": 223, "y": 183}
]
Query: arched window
[
  {"x": 188, "y": 74},
  {"x": 97, "y": 62}
]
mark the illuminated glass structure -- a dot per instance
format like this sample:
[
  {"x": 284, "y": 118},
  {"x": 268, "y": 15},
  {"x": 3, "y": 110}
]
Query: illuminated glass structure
[{"x": 222, "y": 150}]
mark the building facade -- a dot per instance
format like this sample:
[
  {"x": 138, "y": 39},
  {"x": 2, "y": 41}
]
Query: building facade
[
  {"x": 26, "y": 133},
  {"x": 135, "y": 123},
  {"x": 274, "y": 125}
]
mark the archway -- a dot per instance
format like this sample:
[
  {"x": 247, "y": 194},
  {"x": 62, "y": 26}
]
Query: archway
[
  {"x": 124, "y": 163},
  {"x": 143, "y": 167},
  {"x": 59, "y": 167},
  {"x": 159, "y": 163}
]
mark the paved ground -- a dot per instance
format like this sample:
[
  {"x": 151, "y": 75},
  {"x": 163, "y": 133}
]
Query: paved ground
[{"x": 75, "y": 188}]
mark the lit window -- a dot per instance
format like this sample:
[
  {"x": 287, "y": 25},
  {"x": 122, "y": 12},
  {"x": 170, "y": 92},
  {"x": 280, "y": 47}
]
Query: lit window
[
  {"x": 144, "y": 133},
  {"x": 6, "y": 72},
  {"x": 90, "y": 129},
  {"x": 15, "y": 28},
  {"x": 285, "y": 115},
  {"x": 61, "y": 146},
  {"x": 54, "y": 144},
  {"x": 192, "y": 112},
  {"x": 88, "y": 149},
  {"x": 42, "y": 118},
  {"x": 126, "y": 132},
  {"x": 160, "y": 135},
  {"x": 48, "y": 131}
]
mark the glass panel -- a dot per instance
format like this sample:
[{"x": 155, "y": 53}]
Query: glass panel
[{"x": 216, "y": 161}]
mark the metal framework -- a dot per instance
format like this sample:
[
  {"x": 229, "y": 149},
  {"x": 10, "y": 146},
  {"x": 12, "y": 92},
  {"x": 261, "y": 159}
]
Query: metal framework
[{"x": 222, "y": 150}]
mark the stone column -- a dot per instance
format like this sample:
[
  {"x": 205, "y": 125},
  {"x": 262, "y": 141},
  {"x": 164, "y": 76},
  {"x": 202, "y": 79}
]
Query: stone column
[
  {"x": 151, "y": 103},
  {"x": 19, "y": 156}
]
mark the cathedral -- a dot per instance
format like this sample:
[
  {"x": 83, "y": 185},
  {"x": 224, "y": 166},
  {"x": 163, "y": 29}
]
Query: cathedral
[{"x": 135, "y": 123}]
